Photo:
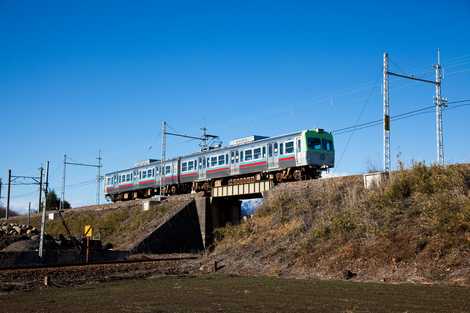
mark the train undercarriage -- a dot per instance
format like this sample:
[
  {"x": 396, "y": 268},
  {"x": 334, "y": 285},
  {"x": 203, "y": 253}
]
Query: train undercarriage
[{"x": 280, "y": 176}]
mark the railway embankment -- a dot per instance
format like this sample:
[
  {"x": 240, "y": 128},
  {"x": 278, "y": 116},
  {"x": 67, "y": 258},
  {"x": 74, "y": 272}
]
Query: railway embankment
[
  {"x": 119, "y": 226},
  {"x": 413, "y": 228}
]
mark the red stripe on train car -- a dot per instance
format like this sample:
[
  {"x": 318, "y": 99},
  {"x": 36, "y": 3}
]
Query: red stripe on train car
[
  {"x": 126, "y": 186},
  {"x": 169, "y": 178},
  {"x": 253, "y": 164},
  {"x": 145, "y": 182},
  {"x": 218, "y": 170},
  {"x": 287, "y": 159}
]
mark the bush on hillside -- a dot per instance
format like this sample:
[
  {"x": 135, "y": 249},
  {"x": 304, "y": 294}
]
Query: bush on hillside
[{"x": 421, "y": 210}]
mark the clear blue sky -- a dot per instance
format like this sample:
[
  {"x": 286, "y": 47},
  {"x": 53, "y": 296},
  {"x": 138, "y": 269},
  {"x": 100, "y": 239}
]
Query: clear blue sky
[{"x": 79, "y": 76}]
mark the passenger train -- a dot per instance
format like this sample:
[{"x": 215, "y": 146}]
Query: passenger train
[{"x": 296, "y": 156}]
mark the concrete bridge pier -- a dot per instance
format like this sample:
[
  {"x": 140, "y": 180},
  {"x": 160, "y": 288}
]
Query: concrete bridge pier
[{"x": 216, "y": 212}]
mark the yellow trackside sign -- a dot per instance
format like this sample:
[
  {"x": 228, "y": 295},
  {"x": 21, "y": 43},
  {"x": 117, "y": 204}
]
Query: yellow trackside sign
[{"x": 88, "y": 231}]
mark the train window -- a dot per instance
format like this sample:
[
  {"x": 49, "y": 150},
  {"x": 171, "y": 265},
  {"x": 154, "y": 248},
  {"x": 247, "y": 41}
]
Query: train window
[
  {"x": 184, "y": 167},
  {"x": 232, "y": 157},
  {"x": 256, "y": 153},
  {"x": 329, "y": 145},
  {"x": 264, "y": 152},
  {"x": 281, "y": 148},
  {"x": 190, "y": 165},
  {"x": 203, "y": 162},
  {"x": 149, "y": 173},
  {"x": 213, "y": 161},
  {"x": 314, "y": 143},
  {"x": 241, "y": 156},
  {"x": 299, "y": 147},
  {"x": 119, "y": 179},
  {"x": 226, "y": 158},
  {"x": 323, "y": 144},
  {"x": 144, "y": 174},
  {"x": 236, "y": 156},
  {"x": 248, "y": 155},
  {"x": 290, "y": 147},
  {"x": 167, "y": 169},
  {"x": 195, "y": 164},
  {"x": 221, "y": 159},
  {"x": 270, "y": 150},
  {"x": 275, "y": 148}
]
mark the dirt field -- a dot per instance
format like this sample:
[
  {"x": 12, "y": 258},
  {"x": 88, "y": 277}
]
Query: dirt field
[{"x": 216, "y": 293}]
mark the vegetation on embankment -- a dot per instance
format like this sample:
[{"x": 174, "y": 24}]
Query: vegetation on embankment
[
  {"x": 117, "y": 224},
  {"x": 415, "y": 227}
]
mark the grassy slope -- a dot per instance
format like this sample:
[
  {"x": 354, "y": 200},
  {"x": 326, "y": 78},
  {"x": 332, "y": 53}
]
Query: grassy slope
[
  {"x": 415, "y": 228},
  {"x": 117, "y": 224}
]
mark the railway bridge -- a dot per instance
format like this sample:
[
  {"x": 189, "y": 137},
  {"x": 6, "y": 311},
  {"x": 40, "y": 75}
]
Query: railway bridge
[{"x": 191, "y": 227}]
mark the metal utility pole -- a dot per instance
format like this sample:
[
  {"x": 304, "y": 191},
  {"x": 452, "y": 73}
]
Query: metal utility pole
[
  {"x": 61, "y": 203},
  {"x": 98, "y": 179},
  {"x": 29, "y": 213},
  {"x": 7, "y": 210},
  {"x": 44, "y": 209},
  {"x": 41, "y": 174},
  {"x": 163, "y": 157},
  {"x": 20, "y": 181},
  {"x": 439, "y": 104},
  {"x": 98, "y": 176},
  {"x": 386, "y": 109},
  {"x": 438, "y": 100}
]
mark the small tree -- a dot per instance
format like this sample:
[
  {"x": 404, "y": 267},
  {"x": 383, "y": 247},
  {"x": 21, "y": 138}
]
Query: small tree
[{"x": 53, "y": 201}]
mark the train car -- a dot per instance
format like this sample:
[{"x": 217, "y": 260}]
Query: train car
[{"x": 296, "y": 156}]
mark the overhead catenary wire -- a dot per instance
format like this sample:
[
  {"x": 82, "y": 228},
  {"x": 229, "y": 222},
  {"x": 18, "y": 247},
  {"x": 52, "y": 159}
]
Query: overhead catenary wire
[
  {"x": 357, "y": 121},
  {"x": 423, "y": 110}
]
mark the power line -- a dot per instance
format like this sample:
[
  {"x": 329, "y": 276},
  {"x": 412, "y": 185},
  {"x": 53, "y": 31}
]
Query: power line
[
  {"x": 357, "y": 120},
  {"x": 423, "y": 110}
]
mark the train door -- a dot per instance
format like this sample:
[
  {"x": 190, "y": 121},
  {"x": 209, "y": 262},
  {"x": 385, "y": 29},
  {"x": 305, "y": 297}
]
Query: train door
[
  {"x": 298, "y": 151},
  {"x": 234, "y": 162},
  {"x": 273, "y": 160},
  {"x": 202, "y": 167}
]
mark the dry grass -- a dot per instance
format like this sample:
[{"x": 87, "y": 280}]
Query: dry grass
[
  {"x": 116, "y": 224},
  {"x": 416, "y": 227}
]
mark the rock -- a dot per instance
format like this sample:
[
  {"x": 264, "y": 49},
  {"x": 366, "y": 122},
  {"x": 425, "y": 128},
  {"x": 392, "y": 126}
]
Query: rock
[
  {"x": 17, "y": 229},
  {"x": 23, "y": 245},
  {"x": 347, "y": 274}
]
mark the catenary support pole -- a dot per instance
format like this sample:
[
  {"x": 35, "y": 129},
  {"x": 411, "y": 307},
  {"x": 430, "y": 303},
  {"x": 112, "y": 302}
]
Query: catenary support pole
[
  {"x": 41, "y": 174},
  {"x": 98, "y": 179},
  {"x": 163, "y": 157},
  {"x": 439, "y": 104},
  {"x": 44, "y": 209},
  {"x": 7, "y": 210},
  {"x": 386, "y": 113},
  {"x": 29, "y": 213},
  {"x": 61, "y": 203}
]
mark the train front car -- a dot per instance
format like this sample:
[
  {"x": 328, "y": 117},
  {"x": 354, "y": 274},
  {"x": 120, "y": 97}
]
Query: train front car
[{"x": 320, "y": 148}]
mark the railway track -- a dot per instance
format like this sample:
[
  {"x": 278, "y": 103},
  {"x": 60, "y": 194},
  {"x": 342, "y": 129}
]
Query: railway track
[
  {"x": 28, "y": 278},
  {"x": 119, "y": 262}
]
